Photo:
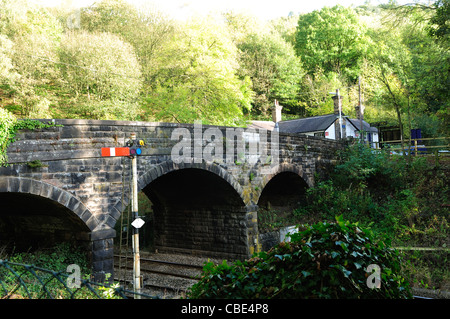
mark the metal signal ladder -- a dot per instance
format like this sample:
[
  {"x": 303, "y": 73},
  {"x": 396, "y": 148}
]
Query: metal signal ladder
[{"x": 124, "y": 232}]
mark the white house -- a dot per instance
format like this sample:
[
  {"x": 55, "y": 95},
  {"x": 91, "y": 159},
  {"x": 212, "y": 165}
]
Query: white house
[
  {"x": 323, "y": 125},
  {"x": 371, "y": 134}
]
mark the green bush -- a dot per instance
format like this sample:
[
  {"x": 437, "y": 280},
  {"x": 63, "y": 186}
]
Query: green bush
[
  {"x": 362, "y": 167},
  {"x": 324, "y": 260}
]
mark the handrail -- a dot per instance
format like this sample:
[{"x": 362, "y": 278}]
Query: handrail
[
  {"x": 413, "y": 139},
  {"x": 412, "y": 144}
]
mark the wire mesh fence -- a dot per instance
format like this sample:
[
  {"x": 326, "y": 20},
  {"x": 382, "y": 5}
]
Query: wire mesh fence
[{"x": 24, "y": 281}]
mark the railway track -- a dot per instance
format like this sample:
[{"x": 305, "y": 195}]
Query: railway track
[{"x": 163, "y": 275}]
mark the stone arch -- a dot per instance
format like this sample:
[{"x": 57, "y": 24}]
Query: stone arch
[
  {"x": 285, "y": 178},
  {"x": 196, "y": 208},
  {"x": 45, "y": 190},
  {"x": 281, "y": 168},
  {"x": 169, "y": 166}
]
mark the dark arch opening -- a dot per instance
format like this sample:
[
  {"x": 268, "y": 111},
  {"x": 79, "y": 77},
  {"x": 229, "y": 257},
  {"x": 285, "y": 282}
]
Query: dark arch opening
[
  {"x": 192, "y": 187},
  {"x": 197, "y": 211},
  {"x": 29, "y": 222},
  {"x": 282, "y": 194}
]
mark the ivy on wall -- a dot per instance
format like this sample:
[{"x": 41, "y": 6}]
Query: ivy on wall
[{"x": 9, "y": 126}]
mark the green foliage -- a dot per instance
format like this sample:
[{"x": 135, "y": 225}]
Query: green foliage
[
  {"x": 7, "y": 73},
  {"x": 439, "y": 26},
  {"x": 333, "y": 39},
  {"x": 104, "y": 72},
  {"x": 7, "y": 132},
  {"x": 9, "y": 126},
  {"x": 270, "y": 62},
  {"x": 119, "y": 61},
  {"x": 198, "y": 80},
  {"x": 425, "y": 268},
  {"x": 55, "y": 259},
  {"x": 324, "y": 260},
  {"x": 107, "y": 66},
  {"x": 362, "y": 166},
  {"x": 315, "y": 96},
  {"x": 404, "y": 198},
  {"x": 34, "y": 34},
  {"x": 270, "y": 220},
  {"x": 44, "y": 273}
]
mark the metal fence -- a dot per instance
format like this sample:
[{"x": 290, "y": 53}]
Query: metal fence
[{"x": 22, "y": 281}]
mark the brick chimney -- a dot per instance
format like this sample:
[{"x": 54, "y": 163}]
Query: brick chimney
[
  {"x": 359, "y": 116},
  {"x": 337, "y": 100},
  {"x": 276, "y": 112}
]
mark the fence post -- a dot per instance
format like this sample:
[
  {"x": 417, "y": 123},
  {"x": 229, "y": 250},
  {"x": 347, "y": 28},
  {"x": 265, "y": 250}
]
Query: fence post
[{"x": 415, "y": 146}]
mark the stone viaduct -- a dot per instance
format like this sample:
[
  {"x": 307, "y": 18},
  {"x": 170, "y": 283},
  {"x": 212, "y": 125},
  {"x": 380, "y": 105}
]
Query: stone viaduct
[{"x": 58, "y": 187}]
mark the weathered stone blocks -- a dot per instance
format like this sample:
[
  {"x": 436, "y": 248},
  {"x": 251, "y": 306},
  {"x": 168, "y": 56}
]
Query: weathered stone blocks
[{"x": 74, "y": 174}]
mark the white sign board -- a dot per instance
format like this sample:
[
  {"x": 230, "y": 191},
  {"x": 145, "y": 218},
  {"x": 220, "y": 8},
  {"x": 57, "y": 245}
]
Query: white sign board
[{"x": 137, "y": 223}]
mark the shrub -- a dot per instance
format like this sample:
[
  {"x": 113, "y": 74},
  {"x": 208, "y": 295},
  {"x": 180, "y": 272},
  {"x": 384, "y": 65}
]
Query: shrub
[
  {"x": 107, "y": 66},
  {"x": 103, "y": 72},
  {"x": 324, "y": 260},
  {"x": 365, "y": 168}
]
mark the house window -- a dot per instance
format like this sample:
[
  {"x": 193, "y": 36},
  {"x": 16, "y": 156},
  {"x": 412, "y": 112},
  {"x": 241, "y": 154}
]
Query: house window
[{"x": 320, "y": 134}]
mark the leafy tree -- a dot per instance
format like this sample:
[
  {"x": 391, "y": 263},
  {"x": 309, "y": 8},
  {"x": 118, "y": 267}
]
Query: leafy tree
[
  {"x": 439, "y": 23},
  {"x": 7, "y": 72},
  {"x": 286, "y": 27},
  {"x": 35, "y": 35},
  {"x": 202, "y": 69},
  {"x": 188, "y": 68},
  {"x": 403, "y": 70},
  {"x": 102, "y": 70},
  {"x": 270, "y": 62},
  {"x": 315, "y": 92},
  {"x": 7, "y": 123},
  {"x": 115, "y": 16},
  {"x": 332, "y": 39},
  {"x": 198, "y": 79},
  {"x": 146, "y": 29},
  {"x": 241, "y": 25}
]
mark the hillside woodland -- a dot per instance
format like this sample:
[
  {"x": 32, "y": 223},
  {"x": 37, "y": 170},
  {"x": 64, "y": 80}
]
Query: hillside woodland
[{"x": 112, "y": 60}]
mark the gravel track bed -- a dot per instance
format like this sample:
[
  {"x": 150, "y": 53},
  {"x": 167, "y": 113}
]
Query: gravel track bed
[{"x": 178, "y": 285}]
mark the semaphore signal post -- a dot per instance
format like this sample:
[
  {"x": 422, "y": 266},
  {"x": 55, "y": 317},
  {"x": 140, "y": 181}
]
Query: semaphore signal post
[{"x": 132, "y": 150}]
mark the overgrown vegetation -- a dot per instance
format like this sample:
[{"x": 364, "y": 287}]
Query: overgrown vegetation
[
  {"x": 405, "y": 198},
  {"x": 55, "y": 259},
  {"x": 9, "y": 126},
  {"x": 324, "y": 260}
]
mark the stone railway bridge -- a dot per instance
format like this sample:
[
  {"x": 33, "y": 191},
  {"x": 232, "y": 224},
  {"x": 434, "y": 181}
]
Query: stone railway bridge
[{"x": 72, "y": 193}]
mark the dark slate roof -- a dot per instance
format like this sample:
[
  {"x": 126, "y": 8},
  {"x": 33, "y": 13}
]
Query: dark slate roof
[
  {"x": 309, "y": 124},
  {"x": 366, "y": 126}
]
